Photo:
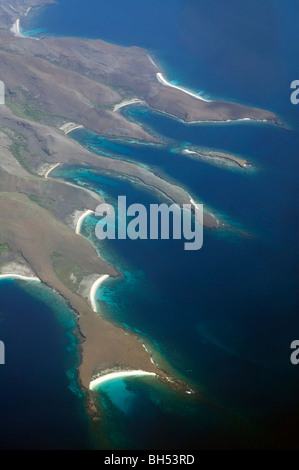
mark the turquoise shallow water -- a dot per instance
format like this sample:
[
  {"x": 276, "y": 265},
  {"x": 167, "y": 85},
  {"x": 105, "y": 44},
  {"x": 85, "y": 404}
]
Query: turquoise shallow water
[
  {"x": 224, "y": 317},
  {"x": 186, "y": 322}
]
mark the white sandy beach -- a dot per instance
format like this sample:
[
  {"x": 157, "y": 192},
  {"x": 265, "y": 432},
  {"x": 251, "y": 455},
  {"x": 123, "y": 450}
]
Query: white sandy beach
[
  {"x": 199, "y": 208},
  {"x": 117, "y": 375},
  {"x": 19, "y": 276},
  {"x": 162, "y": 80},
  {"x": 93, "y": 290},
  {"x": 148, "y": 353},
  {"x": 81, "y": 219},
  {"x": 127, "y": 103},
  {"x": 16, "y": 270},
  {"x": 15, "y": 29},
  {"x": 194, "y": 203},
  {"x": 230, "y": 121},
  {"x": 70, "y": 127},
  {"x": 152, "y": 61},
  {"x": 51, "y": 169}
]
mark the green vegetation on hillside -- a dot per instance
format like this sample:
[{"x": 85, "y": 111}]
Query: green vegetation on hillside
[
  {"x": 68, "y": 271},
  {"x": 4, "y": 247}
]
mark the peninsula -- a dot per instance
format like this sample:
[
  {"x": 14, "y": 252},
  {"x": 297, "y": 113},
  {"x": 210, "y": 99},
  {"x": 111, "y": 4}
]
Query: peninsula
[
  {"x": 53, "y": 86},
  {"x": 198, "y": 153}
]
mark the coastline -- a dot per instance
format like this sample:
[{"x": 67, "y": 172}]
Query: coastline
[
  {"x": 52, "y": 167},
  {"x": 99, "y": 348},
  {"x": 215, "y": 155},
  {"x": 15, "y": 29},
  {"x": 17, "y": 270},
  {"x": 209, "y": 327},
  {"x": 119, "y": 375},
  {"x": 246, "y": 120},
  {"x": 232, "y": 121},
  {"x": 93, "y": 291},
  {"x": 164, "y": 82},
  {"x": 19, "y": 276},
  {"x": 127, "y": 103},
  {"x": 104, "y": 344},
  {"x": 70, "y": 127},
  {"x": 81, "y": 220}
]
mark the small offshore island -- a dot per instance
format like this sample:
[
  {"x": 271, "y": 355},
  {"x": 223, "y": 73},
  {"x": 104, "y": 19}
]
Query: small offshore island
[
  {"x": 215, "y": 156},
  {"x": 53, "y": 86}
]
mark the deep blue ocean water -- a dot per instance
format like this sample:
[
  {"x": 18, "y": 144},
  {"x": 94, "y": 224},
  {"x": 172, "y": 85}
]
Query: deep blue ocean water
[
  {"x": 41, "y": 403},
  {"x": 223, "y": 317}
]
